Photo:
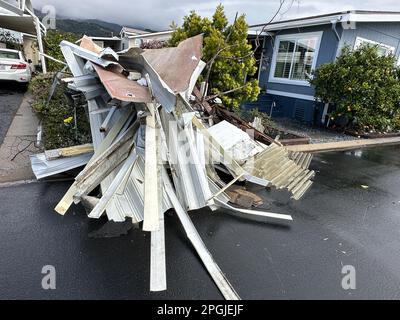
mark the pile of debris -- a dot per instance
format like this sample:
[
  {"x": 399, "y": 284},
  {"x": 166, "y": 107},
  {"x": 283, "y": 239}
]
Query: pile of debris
[{"x": 154, "y": 149}]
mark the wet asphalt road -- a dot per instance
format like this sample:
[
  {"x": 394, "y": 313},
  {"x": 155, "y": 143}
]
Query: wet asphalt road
[
  {"x": 11, "y": 95},
  {"x": 337, "y": 223}
]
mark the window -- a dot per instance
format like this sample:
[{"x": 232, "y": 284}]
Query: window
[
  {"x": 295, "y": 57},
  {"x": 9, "y": 55},
  {"x": 383, "y": 49}
]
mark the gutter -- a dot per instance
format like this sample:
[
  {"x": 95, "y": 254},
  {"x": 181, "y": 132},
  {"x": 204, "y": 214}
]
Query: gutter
[{"x": 146, "y": 35}]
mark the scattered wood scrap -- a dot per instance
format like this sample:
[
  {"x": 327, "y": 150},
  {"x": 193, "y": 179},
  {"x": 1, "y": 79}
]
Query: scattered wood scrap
[
  {"x": 68, "y": 152},
  {"x": 244, "y": 198}
]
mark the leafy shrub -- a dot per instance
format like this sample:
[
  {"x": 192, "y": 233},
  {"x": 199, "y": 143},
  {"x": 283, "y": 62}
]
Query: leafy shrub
[
  {"x": 58, "y": 117},
  {"x": 364, "y": 86},
  {"x": 52, "y": 47}
]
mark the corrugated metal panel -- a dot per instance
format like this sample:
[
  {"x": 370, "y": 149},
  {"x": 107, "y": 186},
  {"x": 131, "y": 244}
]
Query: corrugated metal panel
[{"x": 43, "y": 168}]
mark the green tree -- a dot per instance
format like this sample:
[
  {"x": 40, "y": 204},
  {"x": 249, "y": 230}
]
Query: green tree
[
  {"x": 52, "y": 46},
  {"x": 364, "y": 86},
  {"x": 227, "y": 52}
]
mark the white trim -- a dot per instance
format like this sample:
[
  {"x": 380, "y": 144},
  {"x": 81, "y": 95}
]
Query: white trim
[
  {"x": 308, "y": 22},
  {"x": 291, "y": 95},
  {"x": 340, "y": 17},
  {"x": 390, "y": 17},
  {"x": 105, "y": 38},
  {"x": 256, "y": 33},
  {"x": 146, "y": 35},
  {"x": 295, "y": 37}
]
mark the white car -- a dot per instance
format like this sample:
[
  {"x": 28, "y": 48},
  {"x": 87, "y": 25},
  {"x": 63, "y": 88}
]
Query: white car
[{"x": 14, "y": 66}]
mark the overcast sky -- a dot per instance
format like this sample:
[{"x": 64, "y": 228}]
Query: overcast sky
[{"x": 157, "y": 14}]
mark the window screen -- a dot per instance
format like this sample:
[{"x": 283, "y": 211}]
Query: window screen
[
  {"x": 284, "y": 59},
  {"x": 295, "y": 58}
]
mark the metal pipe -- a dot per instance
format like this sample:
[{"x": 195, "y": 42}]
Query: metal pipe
[{"x": 334, "y": 23}]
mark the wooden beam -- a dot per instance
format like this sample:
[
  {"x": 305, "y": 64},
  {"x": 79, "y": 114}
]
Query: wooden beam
[
  {"x": 102, "y": 169},
  {"x": 118, "y": 180},
  {"x": 68, "y": 152},
  {"x": 64, "y": 204},
  {"x": 344, "y": 145}
]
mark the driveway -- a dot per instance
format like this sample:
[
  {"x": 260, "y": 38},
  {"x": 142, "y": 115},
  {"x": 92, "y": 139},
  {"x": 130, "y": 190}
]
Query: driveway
[
  {"x": 10, "y": 99},
  {"x": 351, "y": 216}
]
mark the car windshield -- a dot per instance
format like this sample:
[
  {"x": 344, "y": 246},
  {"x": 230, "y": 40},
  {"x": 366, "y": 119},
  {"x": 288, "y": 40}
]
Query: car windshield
[{"x": 8, "y": 55}]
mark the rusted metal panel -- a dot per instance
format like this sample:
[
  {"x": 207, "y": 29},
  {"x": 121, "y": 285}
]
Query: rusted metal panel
[
  {"x": 119, "y": 87},
  {"x": 176, "y": 65}
]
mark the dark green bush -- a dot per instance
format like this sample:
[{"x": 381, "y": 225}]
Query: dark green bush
[
  {"x": 364, "y": 86},
  {"x": 58, "y": 117},
  {"x": 52, "y": 47}
]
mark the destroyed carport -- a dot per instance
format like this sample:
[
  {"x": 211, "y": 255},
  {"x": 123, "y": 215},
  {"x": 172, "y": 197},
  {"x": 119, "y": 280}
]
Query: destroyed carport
[{"x": 153, "y": 152}]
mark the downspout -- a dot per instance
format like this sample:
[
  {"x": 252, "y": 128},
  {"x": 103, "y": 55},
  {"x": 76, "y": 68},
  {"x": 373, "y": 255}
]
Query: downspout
[
  {"x": 334, "y": 29},
  {"x": 334, "y": 23}
]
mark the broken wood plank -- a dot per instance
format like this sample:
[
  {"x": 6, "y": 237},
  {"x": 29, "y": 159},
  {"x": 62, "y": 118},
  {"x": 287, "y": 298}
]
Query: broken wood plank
[
  {"x": 344, "y": 145},
  {"x": 228, "y": 185},
  {"x": 64, "y": 204},
  {"x": 104, "y": 168},
  {"x": 118, "y": 180},
  {"x": 68, "y": 152},
  {"x": 204, "y": 103},
  {"x": 244, "y": 198},
  {"x": 114, "y": 147}
]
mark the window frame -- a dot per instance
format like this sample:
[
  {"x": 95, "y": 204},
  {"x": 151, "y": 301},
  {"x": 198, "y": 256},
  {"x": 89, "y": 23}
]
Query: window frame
[
  {"x": 294, "y": 37},
  {"x": 360, "y": 40}
]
